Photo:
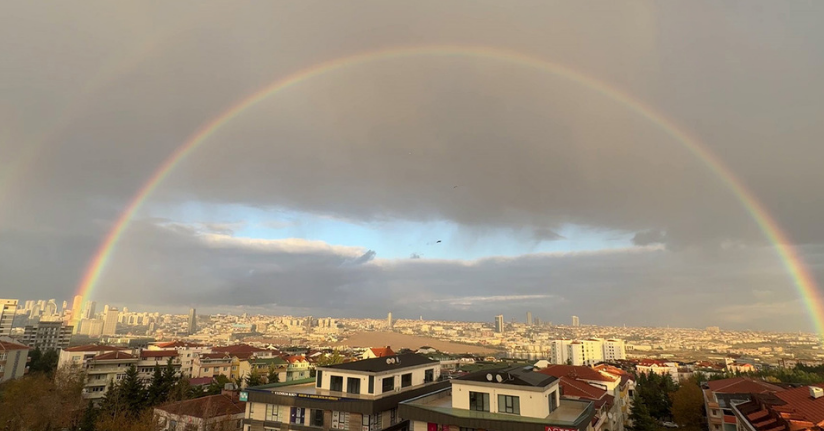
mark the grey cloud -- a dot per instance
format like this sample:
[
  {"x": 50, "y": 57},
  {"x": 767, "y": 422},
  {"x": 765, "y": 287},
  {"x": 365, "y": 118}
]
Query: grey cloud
[{"x": 649, "y": 237}]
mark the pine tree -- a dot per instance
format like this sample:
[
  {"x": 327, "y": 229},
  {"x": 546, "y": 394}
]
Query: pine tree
[
  {"x": 112, "y": 403},
  {"x": 640, "y": 417},
  {"x": 89, "y": 418},
  {"x": 273, "y": 376},
  {"x": 253, "y": 378},
  {"x": 132, "y": 392},
  {"x": 170, "y": 378},
  {"x": 155, "y": 393}
]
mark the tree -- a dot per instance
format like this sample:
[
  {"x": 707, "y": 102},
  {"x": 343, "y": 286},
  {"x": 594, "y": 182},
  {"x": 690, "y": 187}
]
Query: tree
[
  {"x": 132, "y": 393},
  {"x": 170, "y": 378},
  {"x": 156, "y": 393},
  {"x": 253, "y": 378},
  {"x": 327, "y": 359},
  {"x": 273, "y": 376},
  {"x": 43, "y": 362},
  {"x": 39, "y": 402},
  {"x": 687, "y": 406},
  {"x": 89, "y": 418},
  {"x": 640, "y": 417},
  {"x": 217, "y": 385}
]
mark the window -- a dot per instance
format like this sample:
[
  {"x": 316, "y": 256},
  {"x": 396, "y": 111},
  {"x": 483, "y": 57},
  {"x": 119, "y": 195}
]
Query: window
[
  {"x": 319, "y": 378},
  {"x": 336, "y": 383},
  {"x": 393, "y": 417},
  {"x": 509, "y": 404},
  {"x": 371, "y": 422},
  {"x": 388, "y": 384},
  {"x": 429, "y": 376},
  {"x": 340, "y": 420},
  {"x": 479, "y": 401},
  {"x": 206, "y": 370},
  {"x": 406, "y": 380},
  {"x": 272, "y": 413},
  {"x": 317, "y": 418},
  {"x": 353, "y": 385},
  {"x": 553, "y": 402},
  {"x": 296, "y": 416},
  {"x": 371, "y": 384}
]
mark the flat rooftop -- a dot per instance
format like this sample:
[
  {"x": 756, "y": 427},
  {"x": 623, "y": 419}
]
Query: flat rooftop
[
  {"x": 301, "y": 387},
  {"x": 568, "y": 413}
]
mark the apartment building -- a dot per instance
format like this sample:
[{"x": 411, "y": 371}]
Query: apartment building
[
  {"x": 586, "y": 352},
  {"x": 215, "y": 364},
  {"x": 615, "y": 382},
  {"x": 507, "y": 399},
  {"x": 105, "y": 368},
  {"x": 47, "y": 335},
  {"x": 8, "y": 309},
  {"x": 78, "y": 356},
  {"x": 721, "y": 395},
  {"x": 186, "y": 352},
  {"x": 796, "y": 409},
  {"x": 13, "y": 359},
  {"x": 355, "y": 396},
  {"x": 298, "y": 368}
]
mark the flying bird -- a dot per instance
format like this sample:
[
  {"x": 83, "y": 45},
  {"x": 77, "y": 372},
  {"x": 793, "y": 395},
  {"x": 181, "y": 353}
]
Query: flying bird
[{"x": 438, "y": 242}]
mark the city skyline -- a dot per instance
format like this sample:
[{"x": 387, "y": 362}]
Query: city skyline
[{"x": 576, "y": 166}]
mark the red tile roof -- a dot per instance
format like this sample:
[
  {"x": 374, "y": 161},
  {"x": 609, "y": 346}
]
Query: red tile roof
[
  {"x": 238, "y": 348},
  {"x": 799, "y": 399},
  {"x": 177, "y": 343},
  {"x": 158, "y": 353},
  {"x": 200, "y": 381},
  {"x": 381, "y": 352},
  {"x": 206, "y": 407},
  {"x": 729, "y": 419},
  {"x": 742, "y": 385},
  {"x": 93, "y": 348},
  {"x": 576, "y": 372},
  {"x": 114, "y": 355},
  {"x": 216, "y": 355},
  {"x": 580, "y": 389},
  {"x": 6, "y": 345},
  {"x": 293, "y": 359}
]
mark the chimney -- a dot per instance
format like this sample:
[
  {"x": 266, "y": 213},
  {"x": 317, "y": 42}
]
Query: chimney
[{"x": 816, "y": 392}]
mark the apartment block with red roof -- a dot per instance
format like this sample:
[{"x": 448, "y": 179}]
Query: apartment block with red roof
[
  {"x": 105, "y": 368},
  {"x": 13, "y": 359},
  {"x": 797, "y": 409},
  {"x": 607, "y": 413},
  {"x": 215, "y": 364},
  {"x": 217, "y": 412},
  {"x": 721, "y": 395},
  {"x": 78, "y": 355},
  {"x": 186, "y": 351}
]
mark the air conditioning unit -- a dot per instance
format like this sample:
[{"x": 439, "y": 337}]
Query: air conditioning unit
[{"x": 816, "y": 392}]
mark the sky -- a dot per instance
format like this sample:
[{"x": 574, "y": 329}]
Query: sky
[{"x": 444, "y": 186}]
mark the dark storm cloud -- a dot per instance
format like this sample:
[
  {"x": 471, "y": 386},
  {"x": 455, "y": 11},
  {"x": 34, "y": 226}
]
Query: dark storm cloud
[{"x": 97, "y": 95}]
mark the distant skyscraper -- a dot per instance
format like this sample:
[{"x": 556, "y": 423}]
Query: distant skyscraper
[
  {"x": 8, "y": 307},
  {"x": 89, "y": 310},
  {"x": 389, "y": 320},
  {"x": 575, "y": 321},
  {"x": 77, "y": 304},
  {"x": 110, "y": 321},
  {"x": 528, "y": 318},
  {"x": 537, "y": 321},
  {"x": 499, "y": 323},
  {"x": 65, "y": 306},
  {"x": 192, "y": 321}
]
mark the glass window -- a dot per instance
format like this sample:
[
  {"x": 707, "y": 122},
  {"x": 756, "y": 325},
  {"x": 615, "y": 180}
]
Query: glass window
[
  {"x": 340, "y": 420},
  {"x": 388, "y": 384},
  {"x": 296, "y": 415},
  {"x": 509, "y": 404},
  {"x": 317, "y": 418},
  {"x": 353, "y": 385},
  {"x": 336, "y": 383},
  {"x": 479, "y": 401},
  {"x": 429, "y": 376},
  {"x": 371, "y": 422},
  {"x": 553, "y": 402},
  {"x": 319, "y": 378},
  {"x": 371, "y": 384},
  {"x": 406, "y": 380},
  {"x": 272, "y": 413}
]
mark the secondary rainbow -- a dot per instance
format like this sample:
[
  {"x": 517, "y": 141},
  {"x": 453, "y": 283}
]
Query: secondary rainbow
[{"x": 802, "y": 279}]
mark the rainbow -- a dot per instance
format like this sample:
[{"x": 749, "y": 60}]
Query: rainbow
[{"x": 802, "y": 279}]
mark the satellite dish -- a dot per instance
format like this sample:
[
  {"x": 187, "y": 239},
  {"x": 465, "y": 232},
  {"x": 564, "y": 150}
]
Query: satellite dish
[
  {"x": 388, "y": 360},
  {"x": 489, "y": 377},
  {"x": 499, "y": 378}
]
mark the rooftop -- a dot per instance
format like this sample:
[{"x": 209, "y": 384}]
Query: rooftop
[
  {"x": 377, "y": 365},
  {"x": 576, "y": 372},
  {"x": 114, "y": 356},
  {"x": 742, "y": 385},
  {"x": 518, "y": 376},
  {"x": 206, "y": 407},
  {"x": 569, "y": 413},
  {"x": 5, "y": 345},
  {"x": 158, "y": 353},
  {"x": 93, "y": 348}
]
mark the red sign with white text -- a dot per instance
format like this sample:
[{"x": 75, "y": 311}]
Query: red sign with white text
[{"x": 549, "y": 428}]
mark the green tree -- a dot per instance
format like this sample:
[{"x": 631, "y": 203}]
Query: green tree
[
  {"x": 688, "y": 405},
  {"x": 132, "y": 393},
  {"x": 43, "y": 362},
  {"x": 156, "y": 393},
  {"x": 89, "y": 418},
  {"x": 641, "y": 418},
  {"x": 170, "y": 378},
  {"x": 330, "y": 359},
  {"x": 217, "y": 385},
  {"x": 273, "y": 376},
  {"x": 253, "y": 378}
]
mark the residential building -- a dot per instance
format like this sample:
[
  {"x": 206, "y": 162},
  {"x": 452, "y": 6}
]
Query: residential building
[
  {"x": 355, "y": 396},
  {"x": 192, "y": 321},
  {"x": 528, "y": 318},
  {"x": 90, "y": 327},
  {"x": 105, "y": 368},
  {"x": 13, "y": 358},
  {"x": 187, "y": 352},
  {"x": 720, "y": 395},
  {"x": 222, "y": 412},
  {"x": 377, "y": 352},
  {"x": 499, "y": 324},
  {"x": 110, "y": 321},
  {"x": 389, "y": 320},
  {"x": 607, "y": 412},
  {"x": 298, "y": 368},
  {"x": 47, "y": 335},
  {"x": 263, "y": 366},
  {"x": 617, "y": 383},
  {"x": 215, "y": 364},
  {"x": 507, "y": 399},
  {"x": 585, "y": 352},
  {"x": 796, "y": 409},
  {"x": 575, "y": 321},
  {"x": 614, "y": 350},
  {"x": 79, "y": 355},
  {"x": 8, "y": 309}
]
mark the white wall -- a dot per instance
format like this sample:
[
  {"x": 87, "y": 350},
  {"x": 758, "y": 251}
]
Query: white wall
[
  {"x": 533, "y": 403},
  {"x": 418, "y": 374}
]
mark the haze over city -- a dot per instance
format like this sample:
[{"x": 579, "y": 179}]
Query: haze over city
[{"x": 429, "y": 159}]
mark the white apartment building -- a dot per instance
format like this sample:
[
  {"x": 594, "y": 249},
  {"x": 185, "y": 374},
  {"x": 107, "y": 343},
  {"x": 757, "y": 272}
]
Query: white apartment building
[
  {"x": 509, "y": 399},
  {"x": 13, "y": 358},
  {"x": 8, "y": 309},
  {"x": 586, "y": 352}
]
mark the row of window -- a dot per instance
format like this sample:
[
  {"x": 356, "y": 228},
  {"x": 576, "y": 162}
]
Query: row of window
[
  {"x": 340, "y": 420},
  {"x": 353, "y": 384},
  {"x": 479, "y": 401}
]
